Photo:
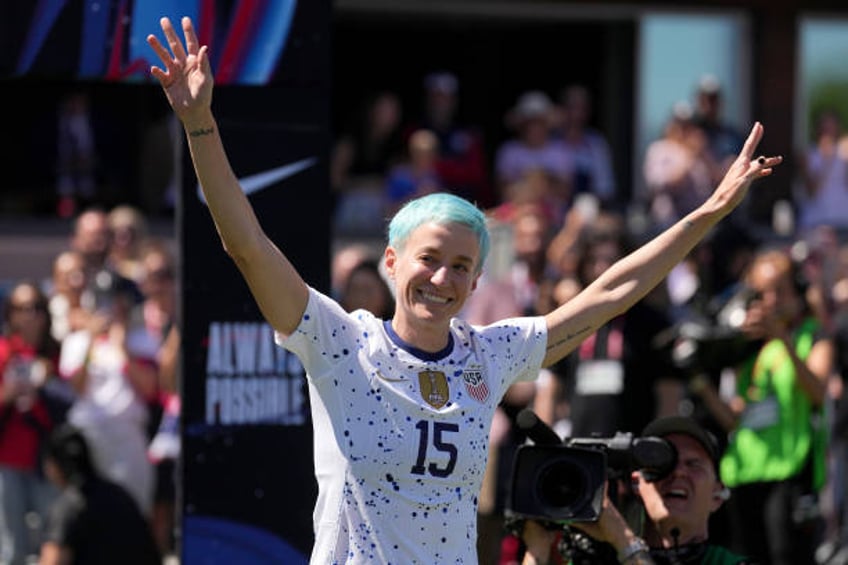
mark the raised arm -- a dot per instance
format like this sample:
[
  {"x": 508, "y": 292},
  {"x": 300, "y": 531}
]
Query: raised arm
[
  {"x": 187, "y": 81},
  {"x": 631, "y": 278}
]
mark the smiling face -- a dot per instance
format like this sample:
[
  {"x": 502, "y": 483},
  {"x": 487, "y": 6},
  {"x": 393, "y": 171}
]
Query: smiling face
[
  {"x": 687, "y": 496},
  {"x": 434, "y": 272}
]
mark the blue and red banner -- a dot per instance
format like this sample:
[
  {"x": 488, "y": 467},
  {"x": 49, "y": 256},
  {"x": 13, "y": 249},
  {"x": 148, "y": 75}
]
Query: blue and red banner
[{"x": 106, "y": 39}]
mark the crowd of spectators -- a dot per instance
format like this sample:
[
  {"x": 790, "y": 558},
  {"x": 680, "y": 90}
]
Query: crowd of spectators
[
  {"x": 558, "y": 220},
  {"x": 91, "y": 349},
  {"x": 94, "y": 344}
]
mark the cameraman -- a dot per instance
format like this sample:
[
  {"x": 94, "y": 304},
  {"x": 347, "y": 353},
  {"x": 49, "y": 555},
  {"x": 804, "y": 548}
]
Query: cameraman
[{"x": 676, "y": 507}]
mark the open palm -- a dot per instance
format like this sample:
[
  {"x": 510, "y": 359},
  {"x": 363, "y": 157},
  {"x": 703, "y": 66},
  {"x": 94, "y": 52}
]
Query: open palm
[{"x": 187, "y": 77}]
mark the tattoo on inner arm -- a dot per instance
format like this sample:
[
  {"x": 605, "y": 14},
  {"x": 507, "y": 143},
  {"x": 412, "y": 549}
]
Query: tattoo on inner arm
[
  {"x": 569, "y": 337},
  {"x": 202, "y": 131}
]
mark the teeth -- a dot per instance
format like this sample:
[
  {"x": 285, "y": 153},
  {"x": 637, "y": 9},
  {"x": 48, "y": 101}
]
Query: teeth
[{"x": 434, "y": 298}]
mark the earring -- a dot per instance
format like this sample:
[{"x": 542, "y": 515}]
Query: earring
[{"x": 723, "y": 494}]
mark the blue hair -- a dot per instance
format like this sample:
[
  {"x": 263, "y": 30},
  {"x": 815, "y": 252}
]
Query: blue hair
[{"x": 441, "y": 208}]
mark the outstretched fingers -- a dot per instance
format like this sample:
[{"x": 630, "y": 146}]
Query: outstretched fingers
[
  {"x": 763, "y": 166},
  {"x": 175, "y": 58},
  {"x": 756, "y": 167},
  {"x": 174, "y": 41},
  {"x": 160, "y": 50},
  {"x": 192, "y": 45},
  {"x": 753, "y": 140},
  {"x": 203, "y": 57}
]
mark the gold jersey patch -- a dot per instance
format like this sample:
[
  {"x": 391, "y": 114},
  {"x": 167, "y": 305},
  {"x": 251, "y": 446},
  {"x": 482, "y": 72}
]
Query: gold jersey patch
[{"x": 434, "y": 388}]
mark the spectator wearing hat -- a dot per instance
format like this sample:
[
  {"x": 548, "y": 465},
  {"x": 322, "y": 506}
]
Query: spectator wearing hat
[
  {"x": 723, "y": 140},
  {"x": 593, "y": 169},
  {"x": 534, "y": 149},
  {"x": 676, "y": 508},
  {"x": 675, "y": 170}
]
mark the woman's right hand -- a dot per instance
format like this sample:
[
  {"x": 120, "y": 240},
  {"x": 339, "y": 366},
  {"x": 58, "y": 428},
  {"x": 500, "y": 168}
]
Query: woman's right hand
[{"x": 187, "y": 77}]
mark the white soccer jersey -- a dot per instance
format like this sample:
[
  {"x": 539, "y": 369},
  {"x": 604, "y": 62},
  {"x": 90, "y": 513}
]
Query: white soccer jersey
[{"x": 401, "y": 436}]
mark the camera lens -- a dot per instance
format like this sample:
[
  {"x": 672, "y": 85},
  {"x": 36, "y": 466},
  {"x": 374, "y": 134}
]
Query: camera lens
[{"x": 562, "y": 484}]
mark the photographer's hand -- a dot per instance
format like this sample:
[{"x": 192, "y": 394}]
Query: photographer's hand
[
  {"x": 12, "y": 390},
  {"x": 701, "y": 386},
  {"x": 764, "y": 323},
  {"x": 539, "y": 541},
  {"x": 812, "y": 372},
  {"x": 613, "y": 529}
]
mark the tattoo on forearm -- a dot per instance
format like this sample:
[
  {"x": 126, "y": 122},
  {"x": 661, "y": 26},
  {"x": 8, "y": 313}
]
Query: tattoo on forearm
[
  {"x": 568, "y": 338},
  {"x": 689, "y": 224},
  {"x": 202, "y": 131}
]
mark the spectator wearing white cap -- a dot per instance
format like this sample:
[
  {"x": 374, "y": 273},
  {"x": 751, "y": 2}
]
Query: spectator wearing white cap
[
  {"x": 676, "y": 173},
  {"x": 533, "y": 148},
  {"x": 723, "y": 140}
]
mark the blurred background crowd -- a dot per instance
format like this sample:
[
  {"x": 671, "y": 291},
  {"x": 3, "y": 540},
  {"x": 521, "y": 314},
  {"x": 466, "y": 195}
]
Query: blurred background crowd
[
  {"x": 94, "y": 340},
  {"x": 696, "y": 346}
]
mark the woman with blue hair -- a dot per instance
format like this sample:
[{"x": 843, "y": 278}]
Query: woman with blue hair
[{"x": 401, "y": 408}]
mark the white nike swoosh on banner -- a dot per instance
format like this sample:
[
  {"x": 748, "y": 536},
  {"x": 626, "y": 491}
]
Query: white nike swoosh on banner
[{"x": 260, "y": 181}]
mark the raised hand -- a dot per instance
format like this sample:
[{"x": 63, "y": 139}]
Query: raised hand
[
  {"x": 187, "y": 77},
  {"x": 744, "y": 170}
]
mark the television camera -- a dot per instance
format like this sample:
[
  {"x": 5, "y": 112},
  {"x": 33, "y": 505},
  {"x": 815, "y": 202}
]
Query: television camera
[
  {"x": 562, "y": 481},
  {"x": 707, "y": 344}
]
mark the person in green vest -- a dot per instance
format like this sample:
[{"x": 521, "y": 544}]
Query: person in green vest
[
  {"x": 676, "y": 509},
  {"x": 775, "y": 462}
]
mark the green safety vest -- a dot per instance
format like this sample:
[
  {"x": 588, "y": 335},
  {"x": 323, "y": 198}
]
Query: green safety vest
[{"x": 779, "y": 450}]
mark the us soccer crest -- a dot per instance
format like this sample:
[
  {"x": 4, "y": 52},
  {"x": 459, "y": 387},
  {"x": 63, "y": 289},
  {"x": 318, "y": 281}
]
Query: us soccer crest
[
  {"x": 434, "y": 388},
  {"x": 475, "y": 384}
]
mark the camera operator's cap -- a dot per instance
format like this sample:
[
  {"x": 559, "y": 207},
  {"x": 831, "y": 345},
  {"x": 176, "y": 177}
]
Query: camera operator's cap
[{"x": 669, "y": 425}]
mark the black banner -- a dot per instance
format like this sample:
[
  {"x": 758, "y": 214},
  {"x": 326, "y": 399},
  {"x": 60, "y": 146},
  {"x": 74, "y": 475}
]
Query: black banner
[{"x": 248, "y": 487}]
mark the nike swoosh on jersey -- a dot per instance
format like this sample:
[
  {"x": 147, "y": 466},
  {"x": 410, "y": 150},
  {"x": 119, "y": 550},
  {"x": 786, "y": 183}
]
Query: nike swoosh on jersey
[{"x": 261, "y": 181}]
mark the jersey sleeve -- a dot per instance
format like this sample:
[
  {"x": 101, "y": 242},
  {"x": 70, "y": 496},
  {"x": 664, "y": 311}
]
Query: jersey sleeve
[
  {"x": 324, "y": 338},
  {"x": 517, "y": 346}
]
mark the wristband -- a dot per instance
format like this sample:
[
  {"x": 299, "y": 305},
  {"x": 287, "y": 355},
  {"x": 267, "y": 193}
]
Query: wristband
[{"x": 636, "y": 546}]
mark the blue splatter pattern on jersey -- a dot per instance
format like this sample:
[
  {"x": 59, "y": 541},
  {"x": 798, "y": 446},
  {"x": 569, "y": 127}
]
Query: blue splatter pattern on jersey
[{"x": 401, "y": 442}]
